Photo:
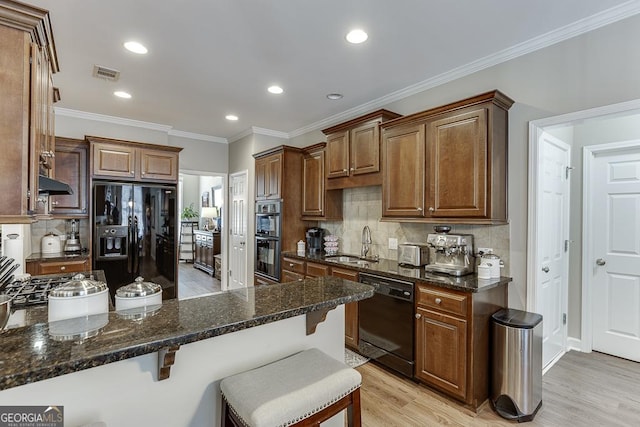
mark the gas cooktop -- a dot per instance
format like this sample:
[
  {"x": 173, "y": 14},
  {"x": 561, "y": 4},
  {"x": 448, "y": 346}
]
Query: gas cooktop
[{"x": 34, "y": 291}]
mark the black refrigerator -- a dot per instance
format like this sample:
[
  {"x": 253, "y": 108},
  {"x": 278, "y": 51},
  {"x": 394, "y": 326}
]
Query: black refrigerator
[{"x": 134, "y": 234}]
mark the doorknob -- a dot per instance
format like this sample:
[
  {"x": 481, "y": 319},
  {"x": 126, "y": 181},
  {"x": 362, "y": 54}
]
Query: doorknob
[
  {"x": 600, "y": 261},
  {"x": 545, "y": 269}
]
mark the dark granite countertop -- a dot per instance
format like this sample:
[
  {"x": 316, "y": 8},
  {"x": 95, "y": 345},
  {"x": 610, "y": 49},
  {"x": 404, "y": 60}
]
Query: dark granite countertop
[
  {"x": 59, "y": 256},
  {"x": 391, "y": 268},
  {"x": 34, "y": 353}
]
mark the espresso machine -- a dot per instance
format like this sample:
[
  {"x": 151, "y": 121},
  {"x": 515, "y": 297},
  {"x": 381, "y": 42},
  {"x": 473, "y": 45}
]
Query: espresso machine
[
  {"x": 72, "y": 244},
  {"x": 453, "y": 252}
]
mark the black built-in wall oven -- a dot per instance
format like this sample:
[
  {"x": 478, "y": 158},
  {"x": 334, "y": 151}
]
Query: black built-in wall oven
[{"x": 267, "y": 253}]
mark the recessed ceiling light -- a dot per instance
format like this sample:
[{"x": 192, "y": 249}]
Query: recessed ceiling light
[
  {"x": 231, "y": 117},
  {"x": 275, "y": 89},
  {"x": 122, "y": 94},
  {"x": 334, "y": 96},
  {"x": 135, "y": 47},
  {"x": 356, "y": 36}
]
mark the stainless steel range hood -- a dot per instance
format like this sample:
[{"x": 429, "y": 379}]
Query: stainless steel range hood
[{"x": 52, "y": 187}]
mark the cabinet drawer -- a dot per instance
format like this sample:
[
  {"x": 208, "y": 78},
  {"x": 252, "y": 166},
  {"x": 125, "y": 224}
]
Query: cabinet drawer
[
  {"x": 289, "y": 276},
  {"x": 63, "y": 267},
  {"x": 294, "y": 265},
  {"x": 442, "y": 301},
  {"x": 317, "y": 270}
]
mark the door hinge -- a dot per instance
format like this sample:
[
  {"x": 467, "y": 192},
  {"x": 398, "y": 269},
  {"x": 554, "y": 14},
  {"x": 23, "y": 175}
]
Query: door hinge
[
  {"x": 567, "y": 242},
  {"x": 567, "y": 170},
  {"x": 564, "y": 318}
]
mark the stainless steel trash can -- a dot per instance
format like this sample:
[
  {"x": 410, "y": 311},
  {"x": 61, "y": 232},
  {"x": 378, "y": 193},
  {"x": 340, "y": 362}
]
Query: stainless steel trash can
[{"x": 516, "y": 381}]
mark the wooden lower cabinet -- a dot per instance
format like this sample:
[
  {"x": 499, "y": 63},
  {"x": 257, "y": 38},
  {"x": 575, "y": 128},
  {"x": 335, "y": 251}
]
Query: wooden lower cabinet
[
  {"x": 207, "y": 244},
  {"x": 36, "y": 268},
  {"x": 350, "y": 310},
  {"x": 317, "y": 270},
  {"x": 442, "y": 359},
  {"x": 452, "y": 340},
  {"x": 260, "y": 280}
]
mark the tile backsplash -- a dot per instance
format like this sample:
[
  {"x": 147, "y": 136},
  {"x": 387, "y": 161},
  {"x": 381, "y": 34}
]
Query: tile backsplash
[
  {"x": 363, "y": 206},
  {"x": 57, "y": 226}
]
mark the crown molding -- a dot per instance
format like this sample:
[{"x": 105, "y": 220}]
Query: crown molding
[
  {"x": 574, "y": 29},
  {"x": 110, "y": 119},
  {"x": 198, "y": 136},
  {"x": 269, "y": 132}
]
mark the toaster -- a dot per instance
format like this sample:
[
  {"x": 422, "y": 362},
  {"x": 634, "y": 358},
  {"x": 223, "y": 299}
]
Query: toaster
[{"x": 414, "y": 254}]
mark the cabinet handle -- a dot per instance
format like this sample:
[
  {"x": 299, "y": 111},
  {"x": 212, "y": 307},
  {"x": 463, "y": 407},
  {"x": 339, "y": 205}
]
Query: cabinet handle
[
  {"x": 55, "y": 203},
  {"x": 300, "y": 280},
  {"x": 418, "y": 315},
  {"x": 344, "y": 170},
  {"x": 352, "y": 169},
  {"x": 431, "y": 209},
  {"x": 419, "y": 209},
  {"x": 438, "y": 300},
  {"x": 132, "y": 173},
  {"x": 290, "y": 265},
  {"x": 63, "y": 268}
]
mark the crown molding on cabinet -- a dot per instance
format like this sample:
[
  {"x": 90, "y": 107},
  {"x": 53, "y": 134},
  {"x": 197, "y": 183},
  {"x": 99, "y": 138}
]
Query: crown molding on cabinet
[
  {"x": 198, "y": 136},
  {"x": 574, "y": 29}
]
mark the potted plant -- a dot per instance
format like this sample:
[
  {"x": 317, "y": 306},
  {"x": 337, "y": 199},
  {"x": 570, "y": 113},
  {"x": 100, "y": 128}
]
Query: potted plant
[{"x": 189, "y": 213}]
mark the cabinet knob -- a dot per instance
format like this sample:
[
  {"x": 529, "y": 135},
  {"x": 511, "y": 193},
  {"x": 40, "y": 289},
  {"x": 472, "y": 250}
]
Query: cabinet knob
[
  {"x": 300, "y": 280},
  {"x": 431, "y": 209},
  {"x": 352, "y": 169},
  {"x": 290, "y": 265},
  {"x": 63, "y": 268},
  {"x": 344, "y": 170},
  {"x": 418, "y": 315},
  {"x": 438, "y": 301},
  {"x": 419, "y": 209},
  {"x": 55, "y": 203},
  {"x": 132, "y": 173}
]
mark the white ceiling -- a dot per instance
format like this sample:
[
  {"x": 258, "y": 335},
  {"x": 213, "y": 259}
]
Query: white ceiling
[{"x": 209, "y": 58}]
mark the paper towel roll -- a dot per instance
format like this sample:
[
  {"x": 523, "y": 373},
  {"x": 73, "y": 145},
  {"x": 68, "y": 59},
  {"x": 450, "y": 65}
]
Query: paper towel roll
[{"x": 13, "y": 248}]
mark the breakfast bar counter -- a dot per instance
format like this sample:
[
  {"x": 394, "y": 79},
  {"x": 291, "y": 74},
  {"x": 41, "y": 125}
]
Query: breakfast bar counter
[{"x": 207, "y": 337}]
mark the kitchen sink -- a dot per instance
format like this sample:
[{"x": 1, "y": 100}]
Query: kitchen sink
[{"x": 350, "y": 260}]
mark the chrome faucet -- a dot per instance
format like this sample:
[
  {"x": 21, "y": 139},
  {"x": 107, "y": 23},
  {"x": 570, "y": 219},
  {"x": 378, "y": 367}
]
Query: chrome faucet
[{"x": 366, "y": 241}]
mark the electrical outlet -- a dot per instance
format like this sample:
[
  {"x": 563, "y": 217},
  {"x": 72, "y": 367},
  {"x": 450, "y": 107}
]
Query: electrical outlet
[
  {"x": 393, "y": 243},
  {"x": 485, "y": 250}
]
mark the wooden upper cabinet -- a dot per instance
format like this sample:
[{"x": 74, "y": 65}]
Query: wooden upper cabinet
[
  {"x": 132, "y": 161},
  {"x": 269, "y": 177},
  {"x": 111, "y": 160},
  {"x": 71, "y": 167},
  {"x": 458, "y": 164},
  {"x": 338, "y": 155},
  {"x": 465, "y": 147},
  {"x": 318, "y": 203},
  {"x": 313, "y": 183},
  {"x": 364, "y": 150},
  {"x": 28, "y": 59},
  {"x": 403, "y": 188},
  {"x": 158, "y": 165},
  {"x": 353, "y": 151}
]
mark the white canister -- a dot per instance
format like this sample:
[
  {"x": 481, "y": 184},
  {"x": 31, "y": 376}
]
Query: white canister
[
  {"x": 494, "y": 263},
  {"x": 138, "y": 294},
  {"x": 301, "y": 248},
  {"x": 78, "y": 297},
  {"x": 484, "y": 271}
]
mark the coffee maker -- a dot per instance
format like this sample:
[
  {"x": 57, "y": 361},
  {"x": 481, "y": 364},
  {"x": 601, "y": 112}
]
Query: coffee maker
[
  {"x": 72, "y": 244},
  {"x": 453, "y": 252},
  {"x": 315, "y": 238}
]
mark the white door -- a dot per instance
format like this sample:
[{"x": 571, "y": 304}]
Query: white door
[
  {"x": 238, "y": 231},
  {"x": 615, "y": 263},
  {"x": 553, "y": 244}
]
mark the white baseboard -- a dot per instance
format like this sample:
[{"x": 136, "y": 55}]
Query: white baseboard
[{"x": 574, "y": 344}]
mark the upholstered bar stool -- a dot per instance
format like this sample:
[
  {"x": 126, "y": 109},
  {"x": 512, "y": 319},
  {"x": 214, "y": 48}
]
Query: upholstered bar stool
[{"x": 300, "y": 390}]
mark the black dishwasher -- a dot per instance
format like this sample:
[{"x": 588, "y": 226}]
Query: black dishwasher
[{"x": 386, "y": 323}]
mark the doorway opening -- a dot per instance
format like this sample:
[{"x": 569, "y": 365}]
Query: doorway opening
[
  {"x": 202, "y": 256},
  {"x": 601, "y": 128}
]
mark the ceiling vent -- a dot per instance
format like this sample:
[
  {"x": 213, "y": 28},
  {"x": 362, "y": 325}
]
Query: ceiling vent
[{"x": 106, "y": 73}]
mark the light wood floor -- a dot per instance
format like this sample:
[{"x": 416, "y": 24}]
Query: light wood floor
[
  {"x": 582, "y": 389},
  {"x": 193, "y": 282}
]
